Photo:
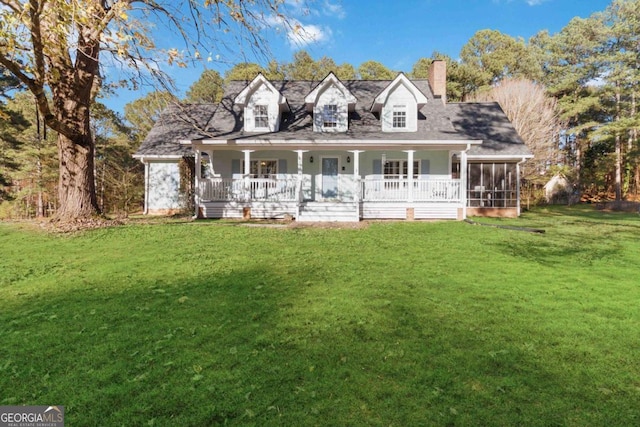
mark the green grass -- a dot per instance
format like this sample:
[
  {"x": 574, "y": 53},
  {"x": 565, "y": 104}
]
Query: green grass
[{"x": 424, "y": 323}]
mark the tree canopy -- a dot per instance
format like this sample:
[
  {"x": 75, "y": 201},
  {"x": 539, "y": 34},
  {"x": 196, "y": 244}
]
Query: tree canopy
[{"x": 57, "y": 47}]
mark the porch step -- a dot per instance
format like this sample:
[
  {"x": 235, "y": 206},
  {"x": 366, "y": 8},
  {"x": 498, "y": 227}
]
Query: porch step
[{"x": 329, "y": 212}]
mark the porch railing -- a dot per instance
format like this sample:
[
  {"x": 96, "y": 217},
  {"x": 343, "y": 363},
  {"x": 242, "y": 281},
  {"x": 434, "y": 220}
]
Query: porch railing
[
  {"x": 289, "y": 190},
  {"x": 423, "y": 190},
  {"x": 263, "y": 189}
]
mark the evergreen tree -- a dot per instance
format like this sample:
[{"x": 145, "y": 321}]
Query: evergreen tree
[
  {"x": 144, "y": 112},
  {"x": 207, "y": 89},
  {"x": 373, "y": 70},
  {"x": 246, "y": 71}
]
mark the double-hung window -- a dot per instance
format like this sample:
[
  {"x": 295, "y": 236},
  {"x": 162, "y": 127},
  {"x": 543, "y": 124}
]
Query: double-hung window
[
  {"x": 263, "y": 168},
  {"x": 399, "y": 116},
  {"x": 261, "y": 116},
  {"x": 330, "y": 116},
  {"x": 397, "y": 169}
]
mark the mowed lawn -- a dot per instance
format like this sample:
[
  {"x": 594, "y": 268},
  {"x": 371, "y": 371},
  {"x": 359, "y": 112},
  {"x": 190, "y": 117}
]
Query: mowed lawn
[{"x": 393, "y": 324}]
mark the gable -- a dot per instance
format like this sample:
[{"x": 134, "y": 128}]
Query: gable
[{"x": 263, "y": 105}]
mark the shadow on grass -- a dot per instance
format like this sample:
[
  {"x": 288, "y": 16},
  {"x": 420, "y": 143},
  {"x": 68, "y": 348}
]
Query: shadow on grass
[{"x": 271, "y": 346}]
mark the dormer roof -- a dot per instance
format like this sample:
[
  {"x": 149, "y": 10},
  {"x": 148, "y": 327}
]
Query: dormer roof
[
  {"x": 331, "y": 80},
  {"x": 244, "y": 96},
  {"x": 400, "y": 79}
]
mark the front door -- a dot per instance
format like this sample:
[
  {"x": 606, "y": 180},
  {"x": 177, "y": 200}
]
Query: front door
[{"x": 329, "y": 177}]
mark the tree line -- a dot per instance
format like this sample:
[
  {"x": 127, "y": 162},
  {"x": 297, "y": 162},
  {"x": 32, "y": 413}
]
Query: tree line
[{"x": 571, "y": 95}]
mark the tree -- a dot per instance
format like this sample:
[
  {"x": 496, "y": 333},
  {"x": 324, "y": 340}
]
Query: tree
[
  {"x": 275, "y": 71},
  {"x": 11, "y": 122},
  {"x": 304, "y": 67},
  {"x": 56, "y": 47},
  {"x": 143, "y": 113},
  {"x": 246, "y": 71},
  {"x": 420, "y": 69},
  {"x": 569, "y": 65},
  {"x": 346, "y": 71},
  {"x": 496, "y": 56},
  {"x": 34, "y": 177},
  {"x": 462, "y": 79},
  {"x": 534, "y": 115},
  {"x": 207, "y": 89},
  {"x": 373, "y": 70},
  {"x": 620, "y": 62},
  {"x": 119, "y": 177}
]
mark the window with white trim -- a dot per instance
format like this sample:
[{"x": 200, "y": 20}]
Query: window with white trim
[
  {"x": 397, "y": 169},
  {"x": 262, "y": 168},
  {"x": 330, "y": 116},
  {"x": 261, "y": 116},
  {"x": 399, "y": 116}
]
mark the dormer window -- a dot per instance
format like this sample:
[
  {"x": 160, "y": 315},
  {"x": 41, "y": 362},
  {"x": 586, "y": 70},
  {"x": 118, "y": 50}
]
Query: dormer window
[
  {"x": 399, "y": 116},
  {"x": 261, "y": 116},
  {"x": 398, "y": 105},
  {"x": 262, "y": 105},
  {"x": 330, "y": 116},
  {"x": 330, "y": 104}
]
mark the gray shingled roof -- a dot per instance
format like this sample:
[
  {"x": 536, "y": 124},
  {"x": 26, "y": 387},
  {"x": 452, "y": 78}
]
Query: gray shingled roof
[
  {"x": 436, "y": 121},
  {"x": 177, "y": 122},
  {"x": 487, "y": 121}
]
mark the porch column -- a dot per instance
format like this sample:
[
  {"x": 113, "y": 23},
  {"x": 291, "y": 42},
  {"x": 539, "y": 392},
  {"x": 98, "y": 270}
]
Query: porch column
[
  {"x": 210, "y": 155},
  {"x": 356, "y": 175},
  {"x": 300, "y": 169},
  {"x": 518, "y": 184},
  {"x": 463, "y": 182},
  {"x": 246, "y": 174},
  {"x": 410, "y": 174},
  {"x": 198, "y": 176}
]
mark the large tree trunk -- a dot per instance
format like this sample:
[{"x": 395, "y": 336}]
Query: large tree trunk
[
  {"x": 618, "y": 149},
  {"x": 76, "y": 189}
]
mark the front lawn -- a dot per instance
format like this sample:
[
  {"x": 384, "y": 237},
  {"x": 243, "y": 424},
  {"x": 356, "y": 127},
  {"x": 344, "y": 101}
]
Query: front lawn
[{"x": 398, "y": 323}]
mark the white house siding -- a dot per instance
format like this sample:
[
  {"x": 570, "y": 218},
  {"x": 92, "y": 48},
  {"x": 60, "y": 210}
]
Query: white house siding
[
  {"x": 163, "y": 187},
  {"x": 331, "y": 95},
  {"x": 400, "y": 95}
]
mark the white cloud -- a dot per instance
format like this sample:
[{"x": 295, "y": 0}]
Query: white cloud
[
  {"x": 299, "y": 34},
  {"x": 302, "y": 35},
  {"x": 334, "y": 9}
]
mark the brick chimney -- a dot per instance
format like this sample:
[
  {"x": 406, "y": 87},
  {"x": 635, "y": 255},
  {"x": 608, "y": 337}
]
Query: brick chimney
[{"x": 438, "y": 79}]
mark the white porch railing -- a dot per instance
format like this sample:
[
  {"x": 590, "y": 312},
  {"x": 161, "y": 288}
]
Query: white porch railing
[
  {"x": 290, "y": 190},
  {"x": 424, "y": 190},
  {"x": 266, "y": 189}
]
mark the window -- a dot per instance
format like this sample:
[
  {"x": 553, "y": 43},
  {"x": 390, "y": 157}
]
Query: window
[
  {"x": 262, "y": 168},
  {"x": 397, "y": 169},
  {"x": 399, "y": 116},
  {"x": 261, "y": 116},
  {"x": 330, "y": 116}
]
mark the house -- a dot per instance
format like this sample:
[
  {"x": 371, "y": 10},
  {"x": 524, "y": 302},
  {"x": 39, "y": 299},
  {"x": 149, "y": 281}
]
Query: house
[{"x": 337, "y": 151}]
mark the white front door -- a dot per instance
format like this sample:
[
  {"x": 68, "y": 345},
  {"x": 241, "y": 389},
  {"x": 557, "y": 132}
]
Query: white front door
[{"x": 329, "y": 177}]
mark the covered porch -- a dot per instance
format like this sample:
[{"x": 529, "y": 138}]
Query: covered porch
[{"x": 329, "y": 185}]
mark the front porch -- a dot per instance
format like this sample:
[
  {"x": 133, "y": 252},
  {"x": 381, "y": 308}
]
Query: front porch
[
  {"x": 351, "y": 200},
  {"x": 338, "y": 185}
]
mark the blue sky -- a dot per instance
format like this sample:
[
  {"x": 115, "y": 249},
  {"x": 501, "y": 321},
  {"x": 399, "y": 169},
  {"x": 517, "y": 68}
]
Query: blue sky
[{"x": 396, "y": 33}]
